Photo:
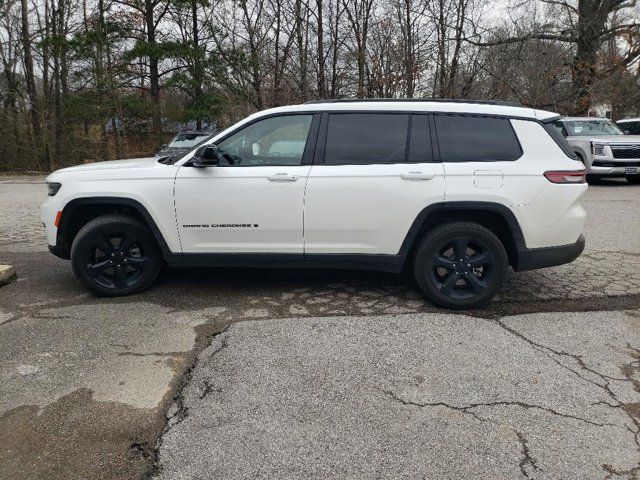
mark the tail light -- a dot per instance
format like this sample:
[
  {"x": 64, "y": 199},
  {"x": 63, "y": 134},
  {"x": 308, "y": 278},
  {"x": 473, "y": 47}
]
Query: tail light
[{"x": 566, "y": 176}]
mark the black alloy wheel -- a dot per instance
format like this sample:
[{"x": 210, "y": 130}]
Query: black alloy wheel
[
  {"x": 460, "y": 265},
  {"x": 117, "y": 260},
  {"x": 115, "y": 255}
]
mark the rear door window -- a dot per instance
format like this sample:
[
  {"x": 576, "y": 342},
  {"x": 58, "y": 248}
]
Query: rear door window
[
  {"x": 476, "y": 139},
  {"x": 366, "y": 138}
]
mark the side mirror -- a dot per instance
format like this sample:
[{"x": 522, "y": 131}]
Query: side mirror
[{"x": 206, "y": 156}]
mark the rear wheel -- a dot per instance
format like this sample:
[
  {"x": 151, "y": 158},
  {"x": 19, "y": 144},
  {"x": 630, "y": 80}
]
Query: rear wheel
[
  {"x": 115, "y": 255},
  {"x": 633, "y": 179},
  {"x": 460, "y": 265}
]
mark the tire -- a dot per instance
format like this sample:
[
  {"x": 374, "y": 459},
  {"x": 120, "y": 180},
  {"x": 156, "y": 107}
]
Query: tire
[
  {"x": 594, "y": 179},
  {"x": 633, "y": 179},
  {"x": 115, "y": 255},
  {"x": 591, "y": 179},
  {"x": 450, "y": 283}
]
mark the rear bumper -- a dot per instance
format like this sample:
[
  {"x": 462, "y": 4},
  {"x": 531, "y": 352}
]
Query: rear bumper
[{"x": 533, "y": 258}]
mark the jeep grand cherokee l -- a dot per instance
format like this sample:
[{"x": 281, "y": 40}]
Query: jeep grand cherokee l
[{"x": 453, "y": 191}]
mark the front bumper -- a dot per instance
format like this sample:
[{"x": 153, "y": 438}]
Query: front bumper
[
  {"x": 58, "y": 251},
  {"x": 610, "y": 167},
  {"x": 533, "y": 258}
]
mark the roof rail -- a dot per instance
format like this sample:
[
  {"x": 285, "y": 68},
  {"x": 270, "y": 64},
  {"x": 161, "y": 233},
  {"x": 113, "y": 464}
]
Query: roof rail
[{"x": 427, "y": 100}]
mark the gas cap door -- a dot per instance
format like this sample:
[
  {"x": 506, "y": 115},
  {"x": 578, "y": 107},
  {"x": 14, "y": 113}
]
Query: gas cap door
[{"x": 488, "y": 179}]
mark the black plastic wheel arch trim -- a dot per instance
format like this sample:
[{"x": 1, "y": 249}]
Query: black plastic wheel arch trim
[
  {"x": 62, "y": 248},
  {"x": 443, "y": 208}
]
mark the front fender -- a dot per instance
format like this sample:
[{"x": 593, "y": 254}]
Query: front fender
[{"x": 66, "y": 226}]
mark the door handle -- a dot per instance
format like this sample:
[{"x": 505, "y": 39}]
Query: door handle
[
  {"x": 282, "y": 177},
  {"x": 416, "y": 176}
]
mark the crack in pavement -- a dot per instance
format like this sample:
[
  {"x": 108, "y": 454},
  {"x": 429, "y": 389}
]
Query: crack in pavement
[
  {"x": 632, "y": 411},
  {"x": 151, "y": 354},
  {"x": 179, "y": 410},
  {"x": 548, "y": 350},
  {"x": 527, "y": 459},
  {"x": 507, "y": 403}
]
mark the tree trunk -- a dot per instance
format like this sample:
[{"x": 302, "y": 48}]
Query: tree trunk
[
  {"x": 322, "y": 86},
  {"x": 30, "y": 78},
  {"x": 57, "y": 100},
  {"x": 154, "y": 72},
  {"x": 583, "y": 68},
  {"x": 197, "y": 63}
]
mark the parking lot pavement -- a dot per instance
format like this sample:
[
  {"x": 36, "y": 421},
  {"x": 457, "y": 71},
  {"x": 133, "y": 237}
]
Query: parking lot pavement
[
  {"x": 85, "y": 382},
  {"x": 413, "y": 396}
]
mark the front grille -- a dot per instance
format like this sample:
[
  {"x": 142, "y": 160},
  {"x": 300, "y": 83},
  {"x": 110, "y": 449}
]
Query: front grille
[{"x": 626, "y": 151}]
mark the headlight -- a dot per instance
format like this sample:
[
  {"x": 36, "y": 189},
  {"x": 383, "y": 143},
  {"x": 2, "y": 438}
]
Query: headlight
[
  {"x": 598, "y": 148},
  {"x": 53, "y": 188}
]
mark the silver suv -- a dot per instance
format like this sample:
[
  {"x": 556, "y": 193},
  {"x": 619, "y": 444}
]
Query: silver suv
[{"x": 603, "y": 147}]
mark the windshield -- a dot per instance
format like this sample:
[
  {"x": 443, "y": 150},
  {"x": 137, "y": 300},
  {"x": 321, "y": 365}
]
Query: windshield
[
  {"x": 187, "y": 140},
  {"x": 582, "y": 128}
]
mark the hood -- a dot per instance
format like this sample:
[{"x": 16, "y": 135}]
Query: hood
[
  {"x": 614, "y": 138},
  {"x": 112, "y": 165},
  {"x": 173, "y": 151}
]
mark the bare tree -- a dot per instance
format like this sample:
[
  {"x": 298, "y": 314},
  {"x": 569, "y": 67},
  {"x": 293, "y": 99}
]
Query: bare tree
[
  {"x": 585, "y": 25},
  {"x": 359, "y": 14}
]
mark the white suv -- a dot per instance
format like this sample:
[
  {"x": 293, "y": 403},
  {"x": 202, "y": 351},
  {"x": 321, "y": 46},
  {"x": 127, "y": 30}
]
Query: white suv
[{"x": 454, "y": 191}]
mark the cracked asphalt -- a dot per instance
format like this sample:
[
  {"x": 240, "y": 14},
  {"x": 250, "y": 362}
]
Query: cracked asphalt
[
  {"x": 412, "y": 396},
  {"x": 295, "y": 374}
]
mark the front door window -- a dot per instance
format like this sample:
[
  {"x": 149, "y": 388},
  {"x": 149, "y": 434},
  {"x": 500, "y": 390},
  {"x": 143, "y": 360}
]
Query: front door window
[{"x": 270, "y": 142}]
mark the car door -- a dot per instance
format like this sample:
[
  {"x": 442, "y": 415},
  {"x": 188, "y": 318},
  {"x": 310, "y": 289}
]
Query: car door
[
  {"x": 374, "y": 172},
  {"x": 252, "y": 202}
]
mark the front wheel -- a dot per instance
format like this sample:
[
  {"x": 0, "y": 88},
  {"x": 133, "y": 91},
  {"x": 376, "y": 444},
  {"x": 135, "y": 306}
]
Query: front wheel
[
  {"x": 633, "y": 179},
  {"x": 115, "y": 255},
  {"x": 591, "y": 179},
  {"x": 460, "y": 265}
]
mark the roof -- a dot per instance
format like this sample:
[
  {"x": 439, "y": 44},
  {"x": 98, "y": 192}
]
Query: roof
[
  {"x": 413, "y": 105},
  {"x": 584, "y": 119},
  {"x": 439, "y": 100},
  {"x": 197, "y": 132}
]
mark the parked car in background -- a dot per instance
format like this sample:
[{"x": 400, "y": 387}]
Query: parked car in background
[
  {"x": 184, "y": 142},
  {"x": 630, "y": 126},
  {"x": 603, "y": 147}
]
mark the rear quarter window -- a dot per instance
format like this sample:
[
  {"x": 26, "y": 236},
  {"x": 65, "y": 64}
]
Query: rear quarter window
[
  {"x": 554, "y": 130},
  {"x": 465, "y": 138}
]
